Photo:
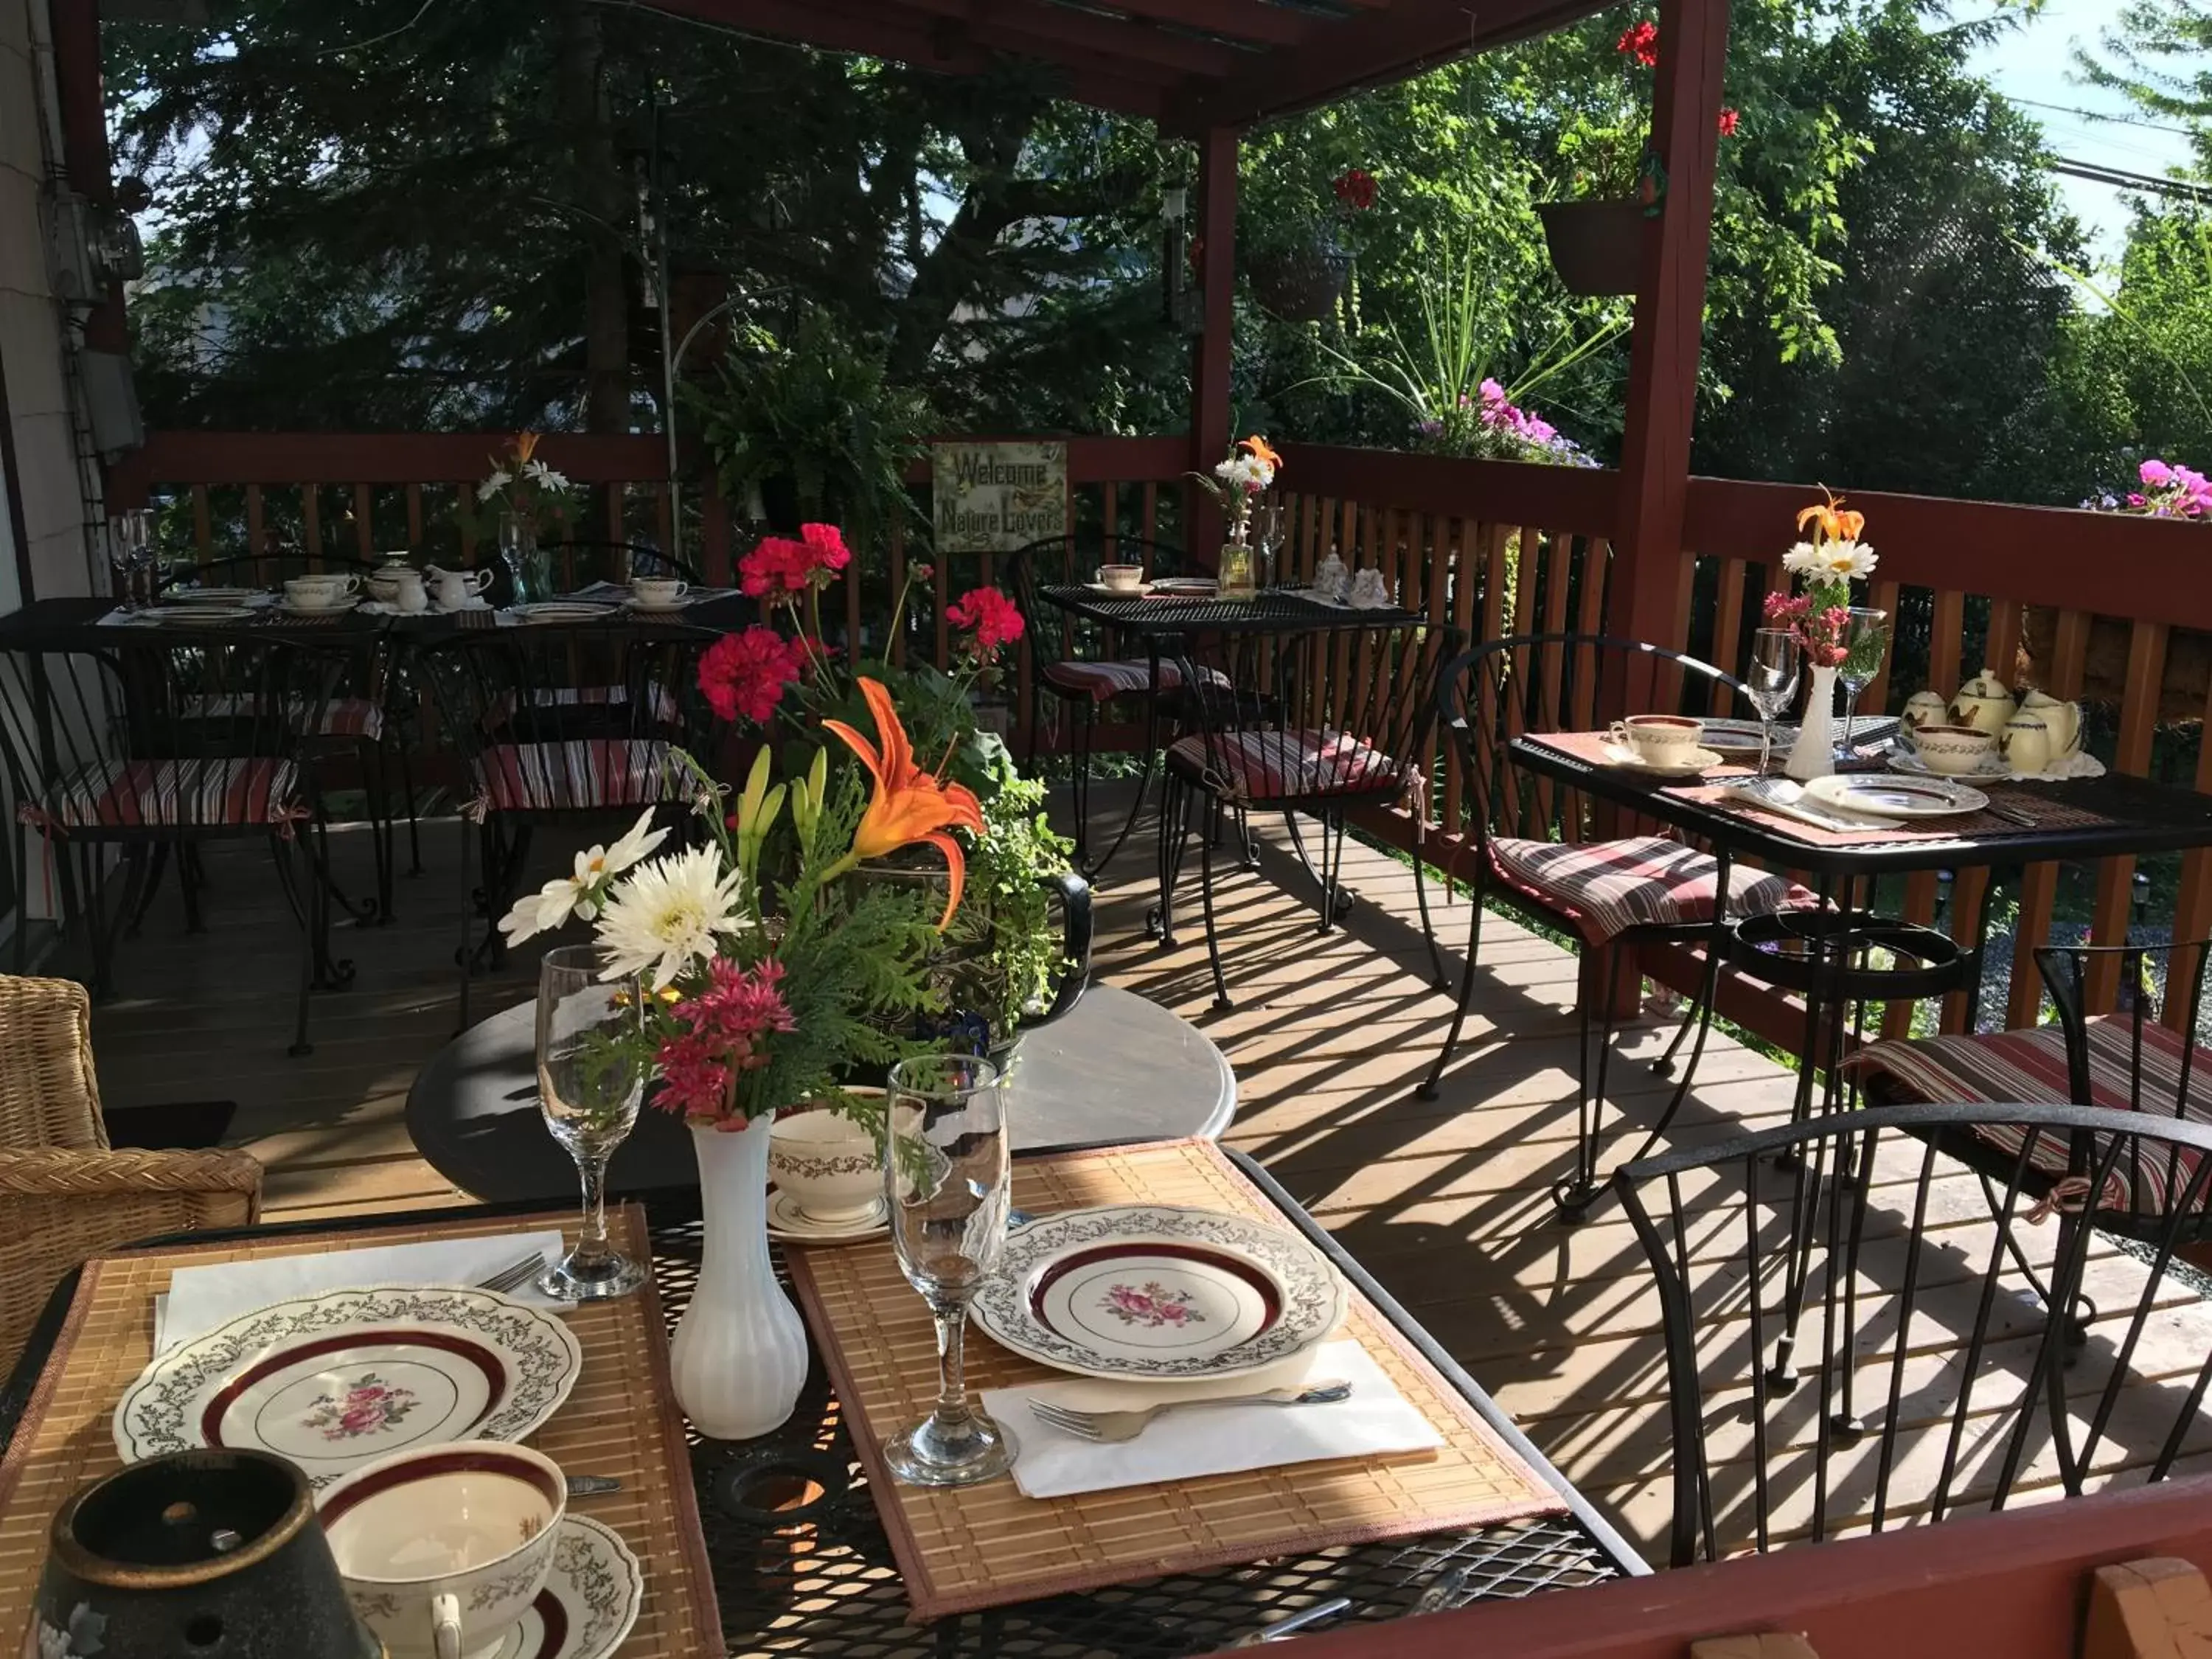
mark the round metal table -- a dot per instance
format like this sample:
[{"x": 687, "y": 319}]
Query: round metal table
[{"x": 1116, "y": 1068}]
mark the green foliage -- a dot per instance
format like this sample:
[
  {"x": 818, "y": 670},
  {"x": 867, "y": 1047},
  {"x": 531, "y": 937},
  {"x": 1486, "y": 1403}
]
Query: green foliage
[
  {"x": 2159, "y": 52},
  {"x": 1006, "y": 924},
  {"x": 815, "y": 414}
]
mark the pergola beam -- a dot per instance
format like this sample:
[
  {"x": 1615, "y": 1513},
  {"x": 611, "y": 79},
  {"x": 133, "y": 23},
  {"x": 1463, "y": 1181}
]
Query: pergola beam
[
  {"x": 1066, "y": 36},
  {"x": 1237, "y": 20},
  {"x": 1410, "y": 37}
]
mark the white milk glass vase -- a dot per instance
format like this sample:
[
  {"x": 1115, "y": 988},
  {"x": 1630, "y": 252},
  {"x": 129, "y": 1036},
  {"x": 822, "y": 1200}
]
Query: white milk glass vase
[
  {"x": 1813, "y": 754},
  {"x": 739, "y": 1357}
]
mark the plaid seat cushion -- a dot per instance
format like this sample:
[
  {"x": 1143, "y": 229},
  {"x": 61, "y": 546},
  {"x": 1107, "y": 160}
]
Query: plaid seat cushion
[
  {"x": 1607, "y": 887},
  {"x": 546, "y": 777},
  {"x": 238, "y": 792},
  {"x": 1102, "y": 682},
  {"x": 2029, "y": 1067},
  {"x": 1283, "y": 765},
  {"x": 341, "y": 717},
  {"x": 660, "y": 699}
]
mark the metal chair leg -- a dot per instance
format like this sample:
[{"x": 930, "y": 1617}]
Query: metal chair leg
[
  {"x": 1206, "y": 901},
  {"x": 1428, "y": 1089},
  {"x": 309, "y": 950},
  {"x": 1438, "y": 979}
]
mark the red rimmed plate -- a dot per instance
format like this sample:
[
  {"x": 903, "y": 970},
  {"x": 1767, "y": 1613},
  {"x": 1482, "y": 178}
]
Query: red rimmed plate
[
  {"x": 334, "y": 1381},
  {"x": 1159, "y": 1293},
  {"x": 1893, "y": 797}
]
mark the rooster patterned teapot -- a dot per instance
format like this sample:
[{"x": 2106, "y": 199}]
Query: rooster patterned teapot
[
  {"x": 1983, "y": 703},
  {"x": 2061, "y": 720}
]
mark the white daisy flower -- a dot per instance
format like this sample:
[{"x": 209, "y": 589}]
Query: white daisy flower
[
  {"x": 1260, "y": 475},
  {"x": 666, "y": 915},
  {"x": 492, "y": 486},
  {"x": 641, "y": 839},
  {"x": 543, "y": 475},
  {"x": 1802, "y": 559},
  {"x": 1840, "y": 561},
  {"x": 581, "y": 894}
]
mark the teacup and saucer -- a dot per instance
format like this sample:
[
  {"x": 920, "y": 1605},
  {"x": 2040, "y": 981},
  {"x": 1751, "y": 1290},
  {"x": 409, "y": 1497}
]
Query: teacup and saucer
[{"x": 1670, "y": 745}]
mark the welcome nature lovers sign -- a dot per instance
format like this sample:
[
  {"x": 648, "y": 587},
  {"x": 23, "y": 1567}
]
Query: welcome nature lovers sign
[{"x": 994, "y": 498}]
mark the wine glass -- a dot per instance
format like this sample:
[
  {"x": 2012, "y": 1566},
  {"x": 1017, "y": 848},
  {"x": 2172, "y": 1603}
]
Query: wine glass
[
  {"x": 1776, "y": 656},
  {"x": 1863, "y": 640},
  {"x": 131, "y": 553},
  {"x": 947, "y": 1177},
  {"x": 591, "y": 1076}
]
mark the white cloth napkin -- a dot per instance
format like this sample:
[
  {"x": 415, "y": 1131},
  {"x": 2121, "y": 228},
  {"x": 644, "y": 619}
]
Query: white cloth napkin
[
  {"x": 1375, "y": 1419},
  {"x": 200, "y": 1298}
]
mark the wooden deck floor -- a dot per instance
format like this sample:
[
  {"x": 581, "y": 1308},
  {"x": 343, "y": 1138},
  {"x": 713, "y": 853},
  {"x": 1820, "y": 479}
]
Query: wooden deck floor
[{"x": 1445, "y": 1201}]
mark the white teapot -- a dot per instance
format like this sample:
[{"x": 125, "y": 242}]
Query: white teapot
[
  {"x": 2061, "y": 720},
  {"x": 453, "y": 589},
  {"x": 1983, "y": 703}
]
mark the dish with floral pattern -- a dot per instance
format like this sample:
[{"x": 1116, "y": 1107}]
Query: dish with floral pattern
[
  {"x": 334, "y": 1381},
  {"x": 1157, "y": 1293}
]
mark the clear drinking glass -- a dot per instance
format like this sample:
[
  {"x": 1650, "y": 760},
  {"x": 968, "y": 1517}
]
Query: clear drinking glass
[
  {"x": 131, "y": 553},
  {"x": 947, "y": 1177},
  {"x": 1776, "y": 662},
  {"x": 1864, "y": 641},
  {"x": 591, "y": 1076}
]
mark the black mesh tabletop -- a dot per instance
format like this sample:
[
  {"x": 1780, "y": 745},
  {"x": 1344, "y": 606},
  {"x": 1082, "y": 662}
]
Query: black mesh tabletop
[{"x": 1275, "y": 611}]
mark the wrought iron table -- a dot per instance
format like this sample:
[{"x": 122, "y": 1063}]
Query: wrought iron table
[
  {"x": 1115, "y": 1068},
  {"x": 801, "y": 1565}
]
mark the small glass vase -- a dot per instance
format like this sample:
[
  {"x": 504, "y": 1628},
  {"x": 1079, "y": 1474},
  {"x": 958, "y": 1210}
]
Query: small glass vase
[
  {"x": 1234, "y": 572},
  {"x": 529, "y": 567}
]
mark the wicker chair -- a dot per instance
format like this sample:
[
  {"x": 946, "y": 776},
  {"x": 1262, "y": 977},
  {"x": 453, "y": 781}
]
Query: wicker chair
[{"x": 65, "y": 1195}]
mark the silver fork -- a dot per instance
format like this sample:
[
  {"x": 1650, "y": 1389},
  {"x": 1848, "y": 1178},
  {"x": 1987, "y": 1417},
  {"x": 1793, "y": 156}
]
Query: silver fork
[
  {"x": 1113, "y": 1427},
  {"x": 516, "y": 1274}
]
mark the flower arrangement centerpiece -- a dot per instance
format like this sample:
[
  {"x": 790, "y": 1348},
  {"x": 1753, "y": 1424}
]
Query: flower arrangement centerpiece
[
  {"x": 1818, "y": 612},
  {"x": 2164, "y": 491},
  {"x": 1490, "y": 426},
  {"x": 1237, "y": 483},
  {"x": 519, "y": 500}
]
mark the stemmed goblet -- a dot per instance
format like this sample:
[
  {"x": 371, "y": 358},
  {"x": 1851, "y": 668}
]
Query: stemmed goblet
[
  {"x": 1776, "y": 659},
  {"x": 591, "y": 1077},
  {"x": 1863, "y": 640},
  {"x": 949, "y": 1182},
  {"x": 131, "y": 553}
]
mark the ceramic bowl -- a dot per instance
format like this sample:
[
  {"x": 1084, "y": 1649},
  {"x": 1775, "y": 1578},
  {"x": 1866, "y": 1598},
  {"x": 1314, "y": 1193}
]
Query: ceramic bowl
[
  {"x": 457, "y": 1535},
  {"x": 827, "y": 1164},
  {"x": 1954, "y": 750}
]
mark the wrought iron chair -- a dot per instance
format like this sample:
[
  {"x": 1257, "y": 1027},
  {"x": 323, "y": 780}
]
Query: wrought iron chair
[
  {"x": 553, "y": 724},
  {"x": 1939, "y": 1379},
  {"x": 156, "y": 744},
  {"x": 1319, "y": 723},
  {"x": 1543, "y": 851},
  {"x": 581, "y": 560}
]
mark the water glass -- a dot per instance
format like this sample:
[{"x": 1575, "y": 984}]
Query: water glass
[
  {"x": 1865, "y": 640},
  {"x": 949, "y": 1182},
  {"x": 591, "y": 1077},
  {"x": 131, "y": 555},
  {"x": 1776, "y": 660}
]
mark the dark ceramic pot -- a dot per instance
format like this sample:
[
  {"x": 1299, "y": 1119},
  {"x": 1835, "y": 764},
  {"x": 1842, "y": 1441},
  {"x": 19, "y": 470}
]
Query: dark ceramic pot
[
  {"x": 1597, "y": 247},
  {"x": 196, "y": 1555}
]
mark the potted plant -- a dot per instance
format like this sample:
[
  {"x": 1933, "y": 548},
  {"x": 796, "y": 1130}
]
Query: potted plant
[
  {"x": 1300, "y": 273},
  {"x": 808, "y": 429},
  {"x": 1596, "y": 239}
]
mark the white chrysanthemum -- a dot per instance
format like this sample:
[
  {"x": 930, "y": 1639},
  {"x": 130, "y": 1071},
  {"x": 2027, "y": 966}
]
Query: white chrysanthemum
[
  {"x": 543, "y": 475},
  {"x": 1844, "y": 561},
  {"x": 666, "y": 915},
  {"x": 1802, "y": 559},
  {"x": 492, "y": 486},
  {"x": 1237, "y": 471}
]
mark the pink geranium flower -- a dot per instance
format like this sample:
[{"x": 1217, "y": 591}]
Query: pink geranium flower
[{"x": 744, "y": 674}]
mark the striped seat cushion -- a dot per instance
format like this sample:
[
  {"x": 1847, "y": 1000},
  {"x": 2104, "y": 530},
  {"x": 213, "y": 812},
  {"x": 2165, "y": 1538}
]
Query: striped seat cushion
[
  {"x": 547, "y": 777},
  {"x": 660, "y": 699},
  {"x": 1102, "y": 682},
  {"x": 341, "y": 717},
  {"x": 1607, "y": 887},
  {"x": 1285, "y": 765},
  {"x": 236, "y": 792},
  {"x": 2029, "y": 1067}
]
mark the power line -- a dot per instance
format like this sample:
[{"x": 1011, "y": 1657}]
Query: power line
[
  {"x": 2120, "y": 179},
  {"x": 2098, "y": 115}
]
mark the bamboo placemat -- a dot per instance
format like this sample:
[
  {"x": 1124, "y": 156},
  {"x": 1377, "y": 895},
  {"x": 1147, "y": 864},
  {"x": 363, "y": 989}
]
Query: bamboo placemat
[
  {"x": 986, "y": 1545},
  {"x": 608, "y": 1425}
]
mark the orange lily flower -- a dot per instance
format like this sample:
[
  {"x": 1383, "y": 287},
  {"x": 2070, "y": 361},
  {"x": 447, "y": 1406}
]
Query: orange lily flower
[
  {"x": 909, "y": 804},
  {"x": 1258, "y": 448},
  {"x": 1835, "y": 524},
  {"x": 525, "y": 445}
]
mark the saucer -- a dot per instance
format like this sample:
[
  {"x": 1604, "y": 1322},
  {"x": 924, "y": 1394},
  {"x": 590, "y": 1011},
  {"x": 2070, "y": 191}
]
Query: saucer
[
  {"x": 1629, "y": 760},
  {"x": 339, "y": 609},
  {"x": 590, "y": 1601},
  {"x": 788, "y": 1223},
  {"x": 1905, "y": 761},
  {"x": 645, "y": 609}
]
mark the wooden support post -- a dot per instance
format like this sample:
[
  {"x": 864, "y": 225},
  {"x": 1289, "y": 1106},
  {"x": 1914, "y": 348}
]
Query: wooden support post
[
  {"x": 1670, "y": 305},
  {"x": 2157, "y": 1608},
  {"x": 84, "y": 143},
  {"x": 1210, "y": 354}
]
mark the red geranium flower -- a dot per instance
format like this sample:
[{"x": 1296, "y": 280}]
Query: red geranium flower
[
  {"x": 1641, "y": 42},
  {"x": 1356, "y": 189},
  {"x": 780, "y": 566},
  {"x": 746, "y": 673},
  {"x": 995, "y": 618},
  {"x": 1730, "y": 121}
]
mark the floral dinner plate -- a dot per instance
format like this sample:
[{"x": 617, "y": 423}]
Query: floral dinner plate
[
  {"x": 1155, "y": 1293},
  {"x": 334, "y": 1381},
  {"x": 1880, "y": 797}
]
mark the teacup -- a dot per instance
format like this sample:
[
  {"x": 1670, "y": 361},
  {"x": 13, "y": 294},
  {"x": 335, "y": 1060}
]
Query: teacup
[
  {"x": 1121, "y": 578},
  {"x": 657, "y": 593},
  {"x": 1658, "y": 739},
  {"x": 1954, "y": 750},
  {"x": 443, "y": 1548},
  {"x": 320, "y": 593},
  {"x": 828, "y": 1165}
]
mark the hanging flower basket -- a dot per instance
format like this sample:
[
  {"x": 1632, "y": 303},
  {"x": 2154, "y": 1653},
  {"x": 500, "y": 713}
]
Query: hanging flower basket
[
  {"x": 1596, "y": 247},
  {"x": 1301, "y": 284}
]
